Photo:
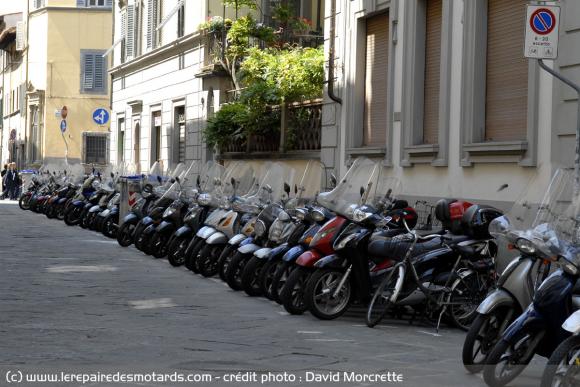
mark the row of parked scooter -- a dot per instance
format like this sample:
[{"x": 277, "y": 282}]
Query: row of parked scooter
[{"x": 275, "y": 233}]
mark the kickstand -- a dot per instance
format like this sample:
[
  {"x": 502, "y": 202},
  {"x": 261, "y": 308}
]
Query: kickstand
[{"x": 443, "y": 310}]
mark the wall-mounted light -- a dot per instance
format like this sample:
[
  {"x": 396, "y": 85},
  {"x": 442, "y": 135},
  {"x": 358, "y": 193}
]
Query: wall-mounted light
[{"x": 395, "y": 31}]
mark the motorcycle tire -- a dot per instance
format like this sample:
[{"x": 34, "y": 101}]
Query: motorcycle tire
[
  {"x": 267, "y": 279},
  {"x": 559, "y": 358},
  {"x": 483, "y": 334},
  {"x": 316, "y": 307},
  {"x": 158, "y": 245},
  {"x": 72, "y": 216},
  {"x": 84, "y": 223},
  {"x": 24, "y": 202},
  {"x": 501, "y": 347},
  {"x": 125, "y": 234},
  {"x": 50, "y": 211},
  {"x": 208, "y": 260},
  {"x": 235, "y": 270},
  {"x": 109, "y": 227},
  {"x": 252, "y": 275},
  {"x": 176, "y": 251},
  {"x": 192, "y": 253},
  {"x": 292, "y": 293},
  {"x": 225, "y": 259}
]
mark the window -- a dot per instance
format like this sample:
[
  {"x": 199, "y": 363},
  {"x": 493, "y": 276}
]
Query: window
[
  {"x": 181, "y": 20},
  {"x": 132, "y": 35},
  {"x": 38, "y": 4},
  {"x": 155, "y": 136},
  {"x": 93, "y": 72},
  {"x": 95, "y": 148},
  {"x": 507, "y": 72},
  {"x": 376, "y": 83},
  {"x": 179, "y": 134},
  {"x": 499, "y": 96},
  {"x": 121, "y": 139},
  {"x": 432, "y": 70},
  {"x": 95, "y": 3},
  {"x": 36, "y": 134},
  {"x": 153, "y": 19}
]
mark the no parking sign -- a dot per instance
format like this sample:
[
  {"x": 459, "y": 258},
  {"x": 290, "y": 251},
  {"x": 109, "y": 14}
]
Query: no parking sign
[{"x": 542, "y": 28}]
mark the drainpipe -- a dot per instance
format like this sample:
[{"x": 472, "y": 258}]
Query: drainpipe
[
  {"x": 332, "y": 32},
  {"x": 112, "y": 60}
]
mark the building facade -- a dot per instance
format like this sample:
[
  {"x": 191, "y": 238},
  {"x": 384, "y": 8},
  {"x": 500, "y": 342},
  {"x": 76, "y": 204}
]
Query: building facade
[
  {"x": 60, "y": 45},
  {"x": 441, "y": 92}
]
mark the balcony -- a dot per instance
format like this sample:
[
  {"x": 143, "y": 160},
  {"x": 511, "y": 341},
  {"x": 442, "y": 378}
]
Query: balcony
[{"x": 297, "y": 136}]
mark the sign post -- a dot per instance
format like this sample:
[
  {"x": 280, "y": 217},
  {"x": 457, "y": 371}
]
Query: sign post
[{"x": 542, "y": 33}]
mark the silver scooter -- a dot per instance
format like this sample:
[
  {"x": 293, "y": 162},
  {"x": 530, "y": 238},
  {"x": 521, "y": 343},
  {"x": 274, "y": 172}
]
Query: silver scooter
[{"x": 518, "y": 282}]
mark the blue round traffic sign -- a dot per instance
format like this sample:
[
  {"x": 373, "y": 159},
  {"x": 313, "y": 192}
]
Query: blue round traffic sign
[
  {"x": 543, "y": 21},
  {"x": 101, "y": 116},
  {"x": 63, "y": 126}
]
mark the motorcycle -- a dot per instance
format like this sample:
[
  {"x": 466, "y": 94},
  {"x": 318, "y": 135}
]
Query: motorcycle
[
  {"x": 515, "y": 287},
  {"x": 273, "y": 193},
  {"x": 538, "y": 330},
  {"x": 151, "y": 188}
]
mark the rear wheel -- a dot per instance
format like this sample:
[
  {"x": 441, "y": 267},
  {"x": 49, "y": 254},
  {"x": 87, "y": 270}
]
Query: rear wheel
[
  {"x": 323, "y": 297},
  {"x": 282, "y": 274},
  {"x": 292, "y": 293},
  {"x": 109, "y": 228},
  {"x": 176, "y": 251},
  {"x": 125, "y": 234},
  {"x": 251, "y": 276},
  {"x": 466, "y": 295}
]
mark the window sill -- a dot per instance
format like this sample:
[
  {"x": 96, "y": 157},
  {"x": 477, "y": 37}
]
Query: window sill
[
  {"x": 366, "y": 151},
  {"x": 290, "y": 155},
  {"x": 422, "y": 154},
  {"x": 494, "y": 152}
]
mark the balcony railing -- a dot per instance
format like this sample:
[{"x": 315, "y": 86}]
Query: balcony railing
[{"x": 298, "y": 134}]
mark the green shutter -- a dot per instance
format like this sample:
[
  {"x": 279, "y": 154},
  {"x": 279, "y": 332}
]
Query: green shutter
[{"x": 88, "y": 71}]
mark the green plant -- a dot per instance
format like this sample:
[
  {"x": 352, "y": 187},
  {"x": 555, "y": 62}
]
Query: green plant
[{"x": 227, "y": 125}]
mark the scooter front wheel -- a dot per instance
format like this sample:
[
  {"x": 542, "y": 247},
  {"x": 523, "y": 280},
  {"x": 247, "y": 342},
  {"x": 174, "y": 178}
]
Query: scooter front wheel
[
  {"x": 322, "y": 296},
  {"x": 176, "y": 251},
  {"x": 125, "y": 234},
  {"x": 292, "y": 293},
  {"x": 562, "y": 367},
  {"x": 508, "y": 359},
  {"x": 24, "y": 202}
]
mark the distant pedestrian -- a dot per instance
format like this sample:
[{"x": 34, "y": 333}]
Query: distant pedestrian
[
  {"x": 2, "y": 174},
  {"x": 12, "y": 181}
]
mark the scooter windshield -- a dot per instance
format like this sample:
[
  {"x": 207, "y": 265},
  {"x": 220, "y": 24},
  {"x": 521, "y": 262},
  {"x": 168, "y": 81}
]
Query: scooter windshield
[
  {"x": 271, "y": 189},
  {"x": 239, "y": 179},
  {"x": 309, "y": 185},
  {"x": 172, "y": 193},
  {"x": 188, "y": 177},
  {"x": 354, "y": 189}
]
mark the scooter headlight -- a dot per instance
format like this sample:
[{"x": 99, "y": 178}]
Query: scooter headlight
[
  {"x": 343, "y": 242},
  {"x": 204, "y": 199},
  {"x": 525, "y": 246},
  {"x": 276, "y": 230},
  {"x": 168, "y": 212},
  {"x": 260, "y": 228},
  {"x": 317, "y": 215},
  {"x": 568, "y": 267},
  {"x": 300, "y": 214},
  {"x": 360, "y": 215}
]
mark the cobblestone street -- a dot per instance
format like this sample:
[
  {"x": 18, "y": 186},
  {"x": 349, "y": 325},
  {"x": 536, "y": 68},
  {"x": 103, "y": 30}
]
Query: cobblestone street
[{"x": 73, "y": 300}]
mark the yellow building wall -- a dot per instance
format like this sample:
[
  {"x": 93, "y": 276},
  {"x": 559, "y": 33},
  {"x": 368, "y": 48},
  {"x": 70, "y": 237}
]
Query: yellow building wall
[{"x": 69, "y": 32}]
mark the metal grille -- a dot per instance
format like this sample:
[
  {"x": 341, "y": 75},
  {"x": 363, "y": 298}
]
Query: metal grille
[{"x": 95, "y": 148}]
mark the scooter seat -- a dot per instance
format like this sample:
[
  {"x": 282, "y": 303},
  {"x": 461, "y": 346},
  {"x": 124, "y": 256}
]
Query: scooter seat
[{"x": 396, "y": 249}]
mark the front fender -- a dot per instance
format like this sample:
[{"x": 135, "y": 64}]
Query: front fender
[
  {"x": 218, "y": 238},
  {"x": 150, "y": 230},
  {"x": 165, "y": 228},
  {"x": 308, "y": 258},
  {"x": 104, "y": 214},
  {"x": 499, "y": 297},
  {"x": 247, "y": 241},
  {"x": 249, "y": 248},
  {"x": 78, "y": 203},
  {"x": 205, "y": 232},
  {"x": 146, "y": 221},
  {"x": 331, "y": 261},
  {"x": 529, "y": 321},
  {"x": 131, "y": 218},
  {"x": 62, "y": 200},
  {"x": 262, "y": 253},
  {"x": 95, "y": 208},
  {"x": 572, "y": 323},
  {"x": 278, "y": 251},
  {"x": 114, "y": 210},
  {"x": 292, "y": 254},
  {"x": 183, "y": 231},
  {"x": 236, "y": 239}
]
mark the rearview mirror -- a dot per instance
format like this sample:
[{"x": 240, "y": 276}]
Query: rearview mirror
[
  {"x": 287, "y": 189},
  {"x": 295, "y": 189},
  {"x": 177, "y": 179},
  {"x": 233, "y": 182},
  {"x": 159, "y": 179},
  {"x": 112, "y": 174},
  {"x": 389, "y": 192},
  {"x": 362, "y": 191},
  {"x": 198, "y": 181}
]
